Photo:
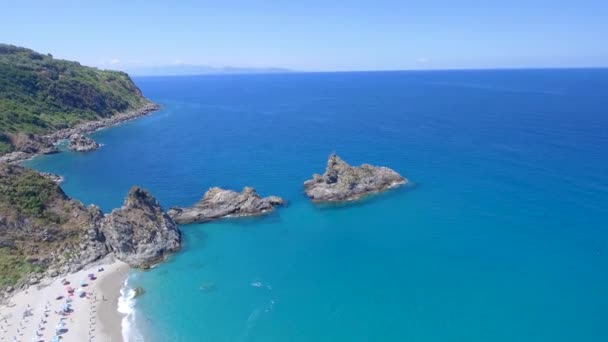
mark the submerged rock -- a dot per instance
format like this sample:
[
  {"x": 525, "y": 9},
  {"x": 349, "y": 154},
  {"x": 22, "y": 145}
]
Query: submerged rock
[
  {"x": 80, "y": 143},
  {"x": 218, "y": 203},
  {"x": 207, "y": 287},
  {"x": 342, "y": 182},
  {"x": 138, "y": 292},
  {"x": 140, "y": 233}
]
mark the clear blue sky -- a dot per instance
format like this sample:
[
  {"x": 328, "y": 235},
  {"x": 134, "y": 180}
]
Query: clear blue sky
[{"x": 314, "y": 34}]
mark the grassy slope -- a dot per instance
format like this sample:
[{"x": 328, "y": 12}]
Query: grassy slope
[{"x": 40, "y": 94}]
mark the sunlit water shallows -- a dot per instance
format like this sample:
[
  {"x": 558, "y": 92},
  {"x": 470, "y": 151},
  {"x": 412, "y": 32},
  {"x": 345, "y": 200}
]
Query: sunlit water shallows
[{"x": 502, "y": 236}]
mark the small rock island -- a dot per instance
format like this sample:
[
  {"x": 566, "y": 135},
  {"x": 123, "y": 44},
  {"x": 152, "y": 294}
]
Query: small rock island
[
  {"x": 342, "y": 182},
  {"x": 218, "y": 203},
  {"x": 81, "y": 143}
]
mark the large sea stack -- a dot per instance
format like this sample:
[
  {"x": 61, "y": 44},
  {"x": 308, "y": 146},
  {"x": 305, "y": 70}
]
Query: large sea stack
[
  {"x": 219, "y": 203},
  {"x": 342, "y": 182},
  {"x": 140, "y": 233}
]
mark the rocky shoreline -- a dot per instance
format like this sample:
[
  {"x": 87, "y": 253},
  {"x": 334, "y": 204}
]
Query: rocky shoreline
[
  {"x": 218, "y": 203},
  {"x": 30, "y": 145},
  {"x": 53, "y": 177}
]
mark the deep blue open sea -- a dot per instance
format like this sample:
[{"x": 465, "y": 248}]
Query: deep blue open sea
[{"x": 503, "y": 235}]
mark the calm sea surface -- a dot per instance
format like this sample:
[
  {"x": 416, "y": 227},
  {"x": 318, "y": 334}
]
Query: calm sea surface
[{"x": 503, "y": 235}]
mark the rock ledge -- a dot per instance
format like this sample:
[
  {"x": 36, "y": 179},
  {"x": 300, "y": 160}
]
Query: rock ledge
[{"x": 218, "y": 203}]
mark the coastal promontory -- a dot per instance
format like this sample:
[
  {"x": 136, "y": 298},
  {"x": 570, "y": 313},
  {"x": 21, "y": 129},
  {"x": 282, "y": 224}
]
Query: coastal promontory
[
  {"x": 218, "y": 203},
  {"x": 81, "y": 143},
  {"x": 43, "y": 232},
  {"x": 342, "y": 182},
  {"x": 44, "y": 100}
]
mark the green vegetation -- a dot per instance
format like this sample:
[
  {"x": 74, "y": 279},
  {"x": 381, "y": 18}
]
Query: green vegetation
[
  {"x": 13, "y": 267},
  {"x": 29, "y": 193},
  {"x": 40, "y": 94},
  {"x": 37, "y": 220},
  {"x": 5, "y": 144}
]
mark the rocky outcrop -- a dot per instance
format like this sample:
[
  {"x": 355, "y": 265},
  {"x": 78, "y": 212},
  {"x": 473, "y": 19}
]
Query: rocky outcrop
[
  {"x": 342, "y": 182},
  {"x": 218, "y": 203},
  {"x": 33, "y": 144},
  {"x": 53, "y": 177},
  {"x": 80, "y": 143},
  {"x": 140, "y": 233},
  {"x": 27, "y": 145}
]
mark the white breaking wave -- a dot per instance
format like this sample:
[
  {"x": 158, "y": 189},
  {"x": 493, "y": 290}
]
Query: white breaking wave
[{"x": 126, "y": 306}]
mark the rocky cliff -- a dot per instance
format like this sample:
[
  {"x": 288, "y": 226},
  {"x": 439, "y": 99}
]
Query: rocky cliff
[
  {"x": 342, "y": 182},
  {"x": 42, "y": 229},
  {"x": 80, "y": 143},
  {"x": 44, "y": 232},
  {"x": 140, "y": 233},
  {"x": 219, "y": 203}
]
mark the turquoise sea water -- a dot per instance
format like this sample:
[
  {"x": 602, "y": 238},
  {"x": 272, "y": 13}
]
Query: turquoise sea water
[{"x": 502, "y": 237}]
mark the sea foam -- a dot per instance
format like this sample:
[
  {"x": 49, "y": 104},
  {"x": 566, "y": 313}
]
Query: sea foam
[{"x": 126, "y": 306}]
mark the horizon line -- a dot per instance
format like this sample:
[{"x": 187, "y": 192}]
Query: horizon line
[{"x": 291, "y": 71}]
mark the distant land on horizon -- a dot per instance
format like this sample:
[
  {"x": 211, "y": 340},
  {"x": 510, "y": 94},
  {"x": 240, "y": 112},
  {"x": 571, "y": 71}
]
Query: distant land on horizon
[
  {"x": 192, "y": 70},
  {"x": 201, "y": 70}
]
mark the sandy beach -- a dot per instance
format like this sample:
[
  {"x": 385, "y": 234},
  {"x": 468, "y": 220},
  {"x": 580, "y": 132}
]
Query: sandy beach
[{"x": 47, "y": 310}]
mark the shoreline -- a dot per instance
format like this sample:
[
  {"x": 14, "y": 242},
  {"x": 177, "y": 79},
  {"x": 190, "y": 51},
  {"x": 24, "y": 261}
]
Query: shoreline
[
  {"x": 33, "y": 313},
  {"x": 82, "y": 128},
  {"x": 108, "y": 316}
]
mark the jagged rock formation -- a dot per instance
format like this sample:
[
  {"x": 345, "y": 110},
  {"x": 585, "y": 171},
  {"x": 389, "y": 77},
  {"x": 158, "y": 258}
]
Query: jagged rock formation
[
  {"x": 140, "y": 233},
  {"x": 80, "y": 143},
  {"x": 45, "y": 233},
  {"x": 218, "y": 203},
  {"x": 342, "y": 182}
]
